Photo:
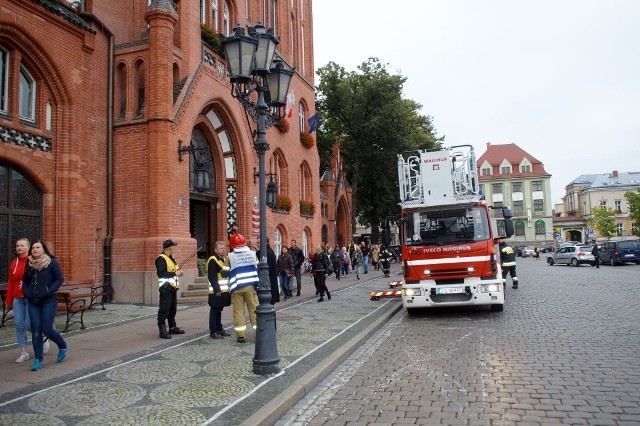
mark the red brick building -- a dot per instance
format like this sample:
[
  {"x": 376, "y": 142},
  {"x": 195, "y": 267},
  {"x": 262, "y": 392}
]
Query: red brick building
[{"x": 97, "y": 98}]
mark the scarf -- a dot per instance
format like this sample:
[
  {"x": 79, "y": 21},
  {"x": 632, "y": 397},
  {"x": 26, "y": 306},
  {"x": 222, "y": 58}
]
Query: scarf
[{"x": 39, "y": 264}]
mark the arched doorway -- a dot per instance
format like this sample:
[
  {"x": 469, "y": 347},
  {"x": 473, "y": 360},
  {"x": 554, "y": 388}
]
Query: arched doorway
[
  {"x": 20, "y": 213},
  {"x": 203, "y": 198}
]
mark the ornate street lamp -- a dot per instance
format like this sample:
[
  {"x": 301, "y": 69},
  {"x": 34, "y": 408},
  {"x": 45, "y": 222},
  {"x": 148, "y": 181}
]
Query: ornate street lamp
[{"x": 261, "y": 85}]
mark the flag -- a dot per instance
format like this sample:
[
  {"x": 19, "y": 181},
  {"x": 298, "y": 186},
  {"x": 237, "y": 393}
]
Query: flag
[
  {"x": 288, "y": 108},
  {"x": 313, "y": 123}
]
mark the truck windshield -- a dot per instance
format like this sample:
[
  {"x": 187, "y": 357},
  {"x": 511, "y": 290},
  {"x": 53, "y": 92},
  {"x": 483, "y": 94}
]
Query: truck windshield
[{"x": 450, "y": 226}]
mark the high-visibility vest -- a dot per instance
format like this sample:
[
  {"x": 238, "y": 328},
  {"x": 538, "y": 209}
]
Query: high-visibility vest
[
  {"x": 222, "y": 281},
  {"x": 171, "y": 267}
]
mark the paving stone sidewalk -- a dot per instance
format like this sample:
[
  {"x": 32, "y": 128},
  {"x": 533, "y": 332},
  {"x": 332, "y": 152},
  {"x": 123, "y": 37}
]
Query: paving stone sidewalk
[{"x": 192, "y": 379}]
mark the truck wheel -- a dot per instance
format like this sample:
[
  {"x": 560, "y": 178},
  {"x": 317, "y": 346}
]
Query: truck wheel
[
  {"x": 574, "y": 262},
  {"x": 497, "y": 308},
  {"x": 412, "y": 311},
  {"x": 550, "y": 261}
]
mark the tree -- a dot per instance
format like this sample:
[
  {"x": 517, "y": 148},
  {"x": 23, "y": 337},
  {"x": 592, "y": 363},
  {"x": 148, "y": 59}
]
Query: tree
[
  {"x": 633, "y": 199},
  {"x": 366, "y": 113},
  {"x": 603, "y": 220}
]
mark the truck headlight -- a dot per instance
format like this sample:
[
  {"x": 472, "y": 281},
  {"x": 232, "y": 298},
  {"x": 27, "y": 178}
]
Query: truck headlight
[
  {"x": 491, "y": 288},
  {"x": 411, "y": 292}
]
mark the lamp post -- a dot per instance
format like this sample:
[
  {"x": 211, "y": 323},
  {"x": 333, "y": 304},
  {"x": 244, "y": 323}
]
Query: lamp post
[{"x": 261, "y": 85}]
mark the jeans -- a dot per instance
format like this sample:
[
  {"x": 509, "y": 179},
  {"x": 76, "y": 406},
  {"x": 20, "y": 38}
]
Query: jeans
[
  {"x": 42, "y": 316},
  {"x": 285, "y": 283},
  {"x": 21, "y": 318},
  {"x": 365, "y": 263}
]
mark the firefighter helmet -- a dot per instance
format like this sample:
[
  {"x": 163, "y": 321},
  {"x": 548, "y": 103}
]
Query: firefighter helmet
[{"x": 237, "y": 240}]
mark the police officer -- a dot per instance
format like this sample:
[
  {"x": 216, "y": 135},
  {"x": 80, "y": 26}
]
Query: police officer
[
  {"x": 219, "y": 296},
  {"x": 508, "y": 263},
  {"x": 243, "y": 281},
  {"x": 168, "y": 273}
]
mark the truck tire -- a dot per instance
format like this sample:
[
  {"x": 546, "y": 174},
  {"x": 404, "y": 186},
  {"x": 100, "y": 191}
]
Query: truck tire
[
  {"x": 412, "y": 311},
  {"x": 497, "y": 308}
]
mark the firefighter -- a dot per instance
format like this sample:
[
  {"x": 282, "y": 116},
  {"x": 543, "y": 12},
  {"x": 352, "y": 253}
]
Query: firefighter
[
  {"x": 508, "y": 263},
  {"x": 168, "y": 272},
  {"x": 243, "y": 282},
  {"x": 219, "y": 297}
]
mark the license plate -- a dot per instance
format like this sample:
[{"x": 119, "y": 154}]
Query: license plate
[
  {"x": 628, "y": 255},
  {"x": 450, "y": 290}
]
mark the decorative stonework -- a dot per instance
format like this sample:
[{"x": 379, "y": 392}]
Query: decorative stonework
[
  {"x": 29, "y": 140},
  {"x": 232, "y": 207}
]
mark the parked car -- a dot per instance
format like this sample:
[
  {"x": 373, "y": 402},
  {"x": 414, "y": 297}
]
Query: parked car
[
  {"x": 572, "y": 255},
  {"x": 547, "y": 247},
  {"x": 619, "y": 252},
  {"x": 529, "y": 251}
]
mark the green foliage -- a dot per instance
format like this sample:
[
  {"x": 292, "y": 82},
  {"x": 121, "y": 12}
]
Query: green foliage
[
  {"x": 202, "y": 267},
  {"x": 283, "y": 203},
  {"x": 212, "y": 38},
  {"x": 366, "y": 112},
  {"x": 307, "y": 208},
  {"x": 604, "y": 221},
  {"x": 633, "y": 199}
]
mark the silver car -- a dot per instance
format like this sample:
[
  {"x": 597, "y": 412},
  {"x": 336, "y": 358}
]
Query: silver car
[{"x": 573, "y": 255}]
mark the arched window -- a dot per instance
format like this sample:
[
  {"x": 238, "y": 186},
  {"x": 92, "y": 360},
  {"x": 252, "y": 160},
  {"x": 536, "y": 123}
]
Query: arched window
[
  {"x": 540, "y": 227},
  {"x": 304, "y": 243},
  {"x": 519, "y": 228},
  {"x": 225, "y": 20},
  {"x": 277, "y": 242},
  {"x": 301, "y": 120},
  {"x": 27, "y": 99},
  {"x": 20, "y": 213},
  {"x": 4, "y": 79},
  {"x": 121, "y": 92},
  {"x": 140, "y": 84},
  {"x": 306, "y": 192},
  {"x": 215, "y": 15},
  {"x": 279, "y": 167}
]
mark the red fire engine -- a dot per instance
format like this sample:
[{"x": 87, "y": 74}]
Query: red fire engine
[{"x": 448, "y": 233}]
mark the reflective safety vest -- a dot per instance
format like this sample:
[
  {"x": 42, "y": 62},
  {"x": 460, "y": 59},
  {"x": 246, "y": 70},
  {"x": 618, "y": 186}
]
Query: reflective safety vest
[
  {"x": 223, "y": 282},
  {"x": 171, "y": 268}
]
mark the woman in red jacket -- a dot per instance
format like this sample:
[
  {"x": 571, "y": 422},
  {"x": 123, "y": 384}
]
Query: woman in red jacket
[{"x": 16, "y": 299}]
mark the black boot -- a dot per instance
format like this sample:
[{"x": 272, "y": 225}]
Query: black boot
[
  {"x": 176, "y": 330},
  {"x": 164, "y": 334}
]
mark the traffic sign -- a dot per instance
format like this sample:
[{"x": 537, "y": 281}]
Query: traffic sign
[{"x": 558, "y": 235}]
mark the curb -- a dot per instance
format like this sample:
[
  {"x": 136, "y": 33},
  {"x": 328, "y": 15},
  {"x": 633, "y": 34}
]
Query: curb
[{"x": 278, "y": 406}]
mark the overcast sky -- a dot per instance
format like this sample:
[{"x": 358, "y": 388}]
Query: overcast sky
[{"x": 561, "y": 79}]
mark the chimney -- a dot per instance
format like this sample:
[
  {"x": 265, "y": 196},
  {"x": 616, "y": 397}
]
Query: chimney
[
  {"x": 614, "y": 173},
  {"x": 488, "y": 145}
]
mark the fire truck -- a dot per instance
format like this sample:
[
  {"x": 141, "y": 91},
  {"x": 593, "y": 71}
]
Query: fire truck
[{"x": 448, "y": 233}]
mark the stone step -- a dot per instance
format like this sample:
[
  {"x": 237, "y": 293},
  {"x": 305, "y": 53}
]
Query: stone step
[
  {"x": 193, "y": 300},
  {"x": 194, "y": 293},
  {"x": 199, "y": 286}
]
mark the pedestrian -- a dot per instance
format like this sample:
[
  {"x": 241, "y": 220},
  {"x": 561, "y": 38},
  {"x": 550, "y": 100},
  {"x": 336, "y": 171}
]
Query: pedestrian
[
  {"x": 320, "y": 262},
  {"x": 168, "y": 272},
  {"x": 385, "y": 260},
  {"x": 364, "y": 248},
  {"x": 219, "y": 296},
  {"x": 42, "y": 279},
  {"x": 508, "y": 263},
  {"x": 595, "y": 251},
  {"x": 375, "y": 257},
  {"x": 358, "y": 260},
  {"x": 346, "y": 261},
  {"x": 536, "y": 249},
  {"x": 243, "y": 282},
  {"x": 336, "y": 260},
  {"x": 17, "y": 301},
  {"x": 285, "y": 272},
  {"x": 298, "y": 261}
]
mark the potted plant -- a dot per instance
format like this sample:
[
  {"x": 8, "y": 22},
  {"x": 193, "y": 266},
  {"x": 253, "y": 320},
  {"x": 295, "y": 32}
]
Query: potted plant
[
  {"x": 283, "y": 203},
  {"x": 307, "y": 208},
  {"x": 283, "y": 125},
  {"x": 306, "y": 139}
]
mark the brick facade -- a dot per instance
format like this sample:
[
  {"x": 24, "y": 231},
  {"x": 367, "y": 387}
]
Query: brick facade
[{"x": 112, "y": 185}]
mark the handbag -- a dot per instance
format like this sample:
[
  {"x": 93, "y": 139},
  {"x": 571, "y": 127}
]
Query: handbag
[{"x": 346, "y": 261}]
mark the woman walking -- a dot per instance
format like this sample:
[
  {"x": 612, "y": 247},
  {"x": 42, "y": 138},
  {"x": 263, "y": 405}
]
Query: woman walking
[
  {"x": 42, "y": 279},
  {"x": 16, "y": 299}
]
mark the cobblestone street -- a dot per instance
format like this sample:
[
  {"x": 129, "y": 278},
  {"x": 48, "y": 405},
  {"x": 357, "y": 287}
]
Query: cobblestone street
[{"x": 564, "y": 351}]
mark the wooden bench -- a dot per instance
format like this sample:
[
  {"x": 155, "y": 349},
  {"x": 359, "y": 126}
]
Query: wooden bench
[
  {"x": 5, "y": 311},
  {"x": 71, "y": 306},
  {"x": 84, "y": 290}
]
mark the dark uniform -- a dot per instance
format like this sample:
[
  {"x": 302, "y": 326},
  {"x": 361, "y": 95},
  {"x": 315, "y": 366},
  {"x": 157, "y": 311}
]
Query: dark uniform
[
  {"x": 167, "y": 270},
  {"x": 298, "y": 259},
  {"x": 219, "y": 296},
  {"x": 508, "y": 263}
]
